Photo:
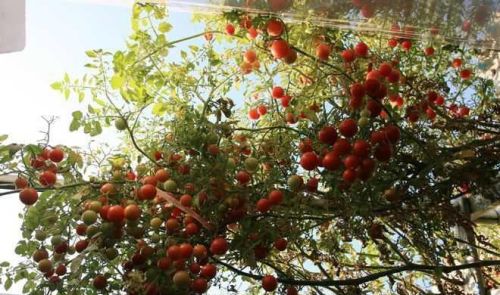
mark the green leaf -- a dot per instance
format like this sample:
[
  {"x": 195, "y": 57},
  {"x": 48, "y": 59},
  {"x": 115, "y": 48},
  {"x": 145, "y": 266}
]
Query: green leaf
[
  {"x": 76, "y": 263},
  {"x": 56, "y": 85},
  {"x": 77, "y": 115},
  {"x": 159, "y": 109},
  {"x": 87, "y": 128},
  {"x": 90, "y": 53},
  {"x": 66, "y": 78},
  {"x": 4, "y": 264},
  {"x": 194, "y": 48},
  {"x": 66, "y": 93},
  {"x": 117, "y": 81},
  {"x": 8, "y": 284},
  {"x": 100, "y": 102},
  {"x": 164, "y": 27},
  {"x": 3, "y": 137},
  {"x": 75, "y": 124},
  {"x": 21, "y": 248},
  {"x": 96, "y": 130},
  {"x": 30, "y": 285}
]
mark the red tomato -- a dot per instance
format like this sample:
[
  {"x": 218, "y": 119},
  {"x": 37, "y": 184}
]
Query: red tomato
[
  {"x": 250, "y": 56},
  {"x": 349, "y": 175},
  {"x": 406, "y": 45},
  {"x": 371, "y": 86},
  {"x": 199, "y": 285},
  {"x": 280, "y": 244},
  {"x": 348, "y": 55},
  {"x": 385, "y": 69},
  {"x": 342, "y": 146},
  {"x": 465, "y": 74},
  {"x": 132, "y": 212},
  {"x": 116, "y": 213},
  {"x": 275, "y": 28},
  {"x": 243, "y": 177},
  {"x": 331, "y": 161},
  {"x": 348, "y": 128},
  {"x": 361, "y": 49},
  {"x": 456, "y": 63},
  {"x": 253, "y": 114},
  {"x": 219, "y": 246},
  {"x": 357, "y": 90},
  {"x": 174, "y": 252},
  {"x": 208, "y": 271},
  {"x": 323, "y": 51},
  {"x": 262, "y": 109},
  {"x": 56, "y": 155},
  {"x": 429, "y": 51},
  {"x": 186, "y": 200},
  {"x": 230, "y": 29},
  {"x": 280, "y": 49},
  {"x": 309, "y": 161},
  {"x": 277, "y": 92},
  {"x": 263, "y": 205},
  {"x": 327, "y": 135},
  {"x": 392, "y": 43},
  {"x": 186, "y": 250},
  {"x": 252, "y": 33},
  {"x": 392, "y": 133},
  {"x": 47, "y": 178},
  {"x": 21, "y": 182},
  {"x": 147, "y": 192},
  {"x": 28, "y": 196},
  {"x": 351, "y": 161},
  {"x": 361, "y": 148},
  {"x": 285, "y": 101},
  {"x": 275, "y": 197},
  {"x": 269, "y": 283}
]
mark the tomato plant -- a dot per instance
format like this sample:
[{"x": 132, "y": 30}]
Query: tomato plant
[{"x": 332, "y": 168}]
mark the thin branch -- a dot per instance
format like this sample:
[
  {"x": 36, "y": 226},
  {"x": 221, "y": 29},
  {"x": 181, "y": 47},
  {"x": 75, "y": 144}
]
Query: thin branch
[{"x": 368, "y": 278}]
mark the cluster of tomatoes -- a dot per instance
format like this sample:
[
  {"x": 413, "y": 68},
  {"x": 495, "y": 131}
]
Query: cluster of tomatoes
[
  {"x": 356, "y": 157},
  {"x": 46, "y": 164}
]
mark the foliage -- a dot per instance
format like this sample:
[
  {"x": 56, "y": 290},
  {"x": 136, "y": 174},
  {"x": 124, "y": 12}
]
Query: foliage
[{"x": 381, "y": 223}]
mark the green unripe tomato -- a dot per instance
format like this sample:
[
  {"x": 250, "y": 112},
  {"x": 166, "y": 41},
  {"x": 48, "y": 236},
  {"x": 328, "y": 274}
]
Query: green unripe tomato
[
  {"x": 141, "y": 169},
  {"x": 56, "y": 240},
  {"x": 71, "y": 250},
  {"x": 295, "y": 182},
  {"x": 40, "y": 235},
  {"x": 89, "y": 217},
  {"x": 92, "y": 230},
  {"x": 363, "y": 121},
  {"x": 365, "y": 113},
  {"x": 170, "y": 186},
  {"x": 117, "y": 175},
  {"x": 231, "y": 163},
  {"x": 107, "y": 228},
  {"x": 155, "y": 223},
  {"x": 251, "y": 164},
  {"x": 155, "y": 238},
  {"x": 58, "y": 256},
  {"x": 120, "y": 124},
  {"x": 95, "y": 206}
]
